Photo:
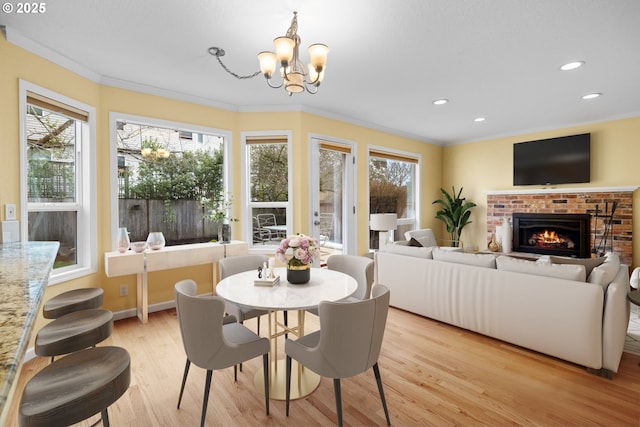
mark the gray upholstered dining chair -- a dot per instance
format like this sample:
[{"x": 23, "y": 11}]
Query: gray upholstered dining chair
[
  {"x": 358, "y": 267},
  {"x": 213, "y": 341},
  {"x": 238, "y": 264},
  {"x": 347, "y": 344}
]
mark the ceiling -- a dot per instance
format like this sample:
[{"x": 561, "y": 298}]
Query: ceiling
[{"x": 388, "y": 60}]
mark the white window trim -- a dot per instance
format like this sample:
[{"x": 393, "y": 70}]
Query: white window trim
[
  {"x": 149, "y": 121},
  {"x": 86, "y": 251},
  {"x": 247, "y": 230},
  {"x": 418, "y": 202}
]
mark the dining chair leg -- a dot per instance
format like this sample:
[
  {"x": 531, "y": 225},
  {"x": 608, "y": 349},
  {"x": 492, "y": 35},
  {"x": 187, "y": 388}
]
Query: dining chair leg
[
  {"x": 336, "y": 389},
  {"x": 376, "y": 371},
  {"x": 288, "y": 385},
  {"x": 104, "y": 415},
  {"x": 184, "y": 380},
  {"x": 207, "y": 387},
  {"x": 265, "y": 368},
  {"x": 286, "y": 322},
  {"x": 235, "y": 373},
  {"x": 258, "y": 332}
]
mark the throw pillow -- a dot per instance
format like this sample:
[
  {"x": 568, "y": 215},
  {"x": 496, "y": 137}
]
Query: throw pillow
[
  {"x": 477, "y": 260},
  {"x": 560, "y": 271},
  {"x": 415, "y": 242},
  {"x": 420, "y": 234},
  {"x": 424, "y": 242},
  {"x": 605, "y": 273},
  {"x": 589, "y": 263}
]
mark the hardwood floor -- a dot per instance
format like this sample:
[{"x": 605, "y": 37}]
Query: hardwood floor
[{"x": 434, "y": 374}]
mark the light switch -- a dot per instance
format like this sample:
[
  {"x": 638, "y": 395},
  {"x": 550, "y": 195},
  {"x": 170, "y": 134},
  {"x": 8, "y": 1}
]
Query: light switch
[{"x": 10, "y": 212}]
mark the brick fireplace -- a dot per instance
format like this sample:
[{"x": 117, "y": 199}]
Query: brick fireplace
[{"x": 502, "y": 204}]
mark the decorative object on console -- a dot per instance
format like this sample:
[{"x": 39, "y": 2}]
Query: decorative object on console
[
  {"x": 123, "y": 242},
  {"x": 138, "y": 246},
  {"x": 156, "y": 240},
  {"x": 493, "y": 245},
  {"x": 298, "y": 253},
  {"x": 455, "y": 213},
  {"x": 384, "y": 222},
  {"x": 294, "y": 77}
]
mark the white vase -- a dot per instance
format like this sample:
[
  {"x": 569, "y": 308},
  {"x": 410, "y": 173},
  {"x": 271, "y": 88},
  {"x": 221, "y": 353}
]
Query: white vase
[
  {"x": 123, "y": 242},
  {"x": 507, "y": 236}
]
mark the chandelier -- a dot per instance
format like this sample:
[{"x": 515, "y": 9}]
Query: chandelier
[{"x": 295, "y": 78}]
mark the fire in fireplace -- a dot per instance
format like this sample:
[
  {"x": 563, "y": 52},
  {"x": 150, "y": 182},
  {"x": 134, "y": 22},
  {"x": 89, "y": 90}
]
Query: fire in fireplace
[{"x": 552, "y": 234}]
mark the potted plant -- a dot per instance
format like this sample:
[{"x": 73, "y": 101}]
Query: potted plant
[
  {"x": 217, "y": 210},
  {"x": 455, "y": 213}
]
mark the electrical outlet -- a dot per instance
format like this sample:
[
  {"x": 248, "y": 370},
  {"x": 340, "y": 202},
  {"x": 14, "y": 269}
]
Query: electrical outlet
[
  {"x": 124, "y": 290},
  {"x": 10, "y": 212}
]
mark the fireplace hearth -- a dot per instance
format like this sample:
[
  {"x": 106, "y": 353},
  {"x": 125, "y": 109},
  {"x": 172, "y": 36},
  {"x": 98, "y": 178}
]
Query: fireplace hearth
[{"x": 552, "y": 234}]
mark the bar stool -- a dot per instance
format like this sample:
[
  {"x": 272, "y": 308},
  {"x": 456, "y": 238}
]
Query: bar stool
[
  {"x": 74, "y": 300},
  {"x": 74, "y": 331},
  {"x": 75, "y": 388}
]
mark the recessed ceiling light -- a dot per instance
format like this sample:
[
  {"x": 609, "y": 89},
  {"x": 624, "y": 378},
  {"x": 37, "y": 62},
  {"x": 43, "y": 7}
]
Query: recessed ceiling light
[
  {"x": 479, "y": 119},
  {"x": 572, "y": 65},
  {"x": 440, "y": 101},
  {"x": 591, "y": 96}
]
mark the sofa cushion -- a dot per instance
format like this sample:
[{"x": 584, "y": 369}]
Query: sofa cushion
[
  {"x": 403, "y": 248},
  {"x": 420, "y": 235},
  {"x": 605, "y": 273},
  {"x": 589, "y": 263},
  {"x": 561, "y": 271},
  {"x": 478, "y": 260}
]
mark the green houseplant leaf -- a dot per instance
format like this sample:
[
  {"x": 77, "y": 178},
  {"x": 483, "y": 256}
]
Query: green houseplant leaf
[{"x": 455, "y": 213}]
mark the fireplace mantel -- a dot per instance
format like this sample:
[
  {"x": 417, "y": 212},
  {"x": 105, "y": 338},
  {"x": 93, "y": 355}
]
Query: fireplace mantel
[{"x": 562, "y": 190}]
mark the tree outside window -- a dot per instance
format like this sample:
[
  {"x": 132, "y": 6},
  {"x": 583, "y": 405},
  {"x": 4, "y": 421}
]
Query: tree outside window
[{"x": 170, "y": 180}]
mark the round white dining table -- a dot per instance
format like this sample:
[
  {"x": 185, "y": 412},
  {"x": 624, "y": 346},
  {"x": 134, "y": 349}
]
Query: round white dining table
[{"x": 324, "y": 285}]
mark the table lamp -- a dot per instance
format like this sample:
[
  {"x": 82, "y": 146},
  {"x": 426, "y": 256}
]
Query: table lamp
[{"x": 383, "y": 222}]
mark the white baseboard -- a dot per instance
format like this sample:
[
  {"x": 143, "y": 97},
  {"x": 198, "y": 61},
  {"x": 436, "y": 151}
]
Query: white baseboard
[{"x": 30, "y": 354}]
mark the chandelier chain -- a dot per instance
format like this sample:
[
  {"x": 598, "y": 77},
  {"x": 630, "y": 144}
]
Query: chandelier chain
[{"x": 237, "y": 76}]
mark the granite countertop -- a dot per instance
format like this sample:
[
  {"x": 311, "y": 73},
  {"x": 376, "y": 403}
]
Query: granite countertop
[{"x": 24, "y": 274}]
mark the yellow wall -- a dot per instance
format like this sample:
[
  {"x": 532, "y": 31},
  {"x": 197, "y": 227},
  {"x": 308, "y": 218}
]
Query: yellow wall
[
  {"x": 488, "y": 165},
  {"x": 20, "y": 64}
]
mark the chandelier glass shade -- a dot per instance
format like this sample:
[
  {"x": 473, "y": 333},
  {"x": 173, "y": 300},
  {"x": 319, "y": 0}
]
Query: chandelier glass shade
[{"x": 295, "y": 76}]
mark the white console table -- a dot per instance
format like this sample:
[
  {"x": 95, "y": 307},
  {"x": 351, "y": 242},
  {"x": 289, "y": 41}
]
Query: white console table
[{"x": 124, "y": 264}]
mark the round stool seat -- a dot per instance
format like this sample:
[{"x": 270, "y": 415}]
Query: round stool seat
[
  {"x": 76, "y": 387},
  {"x": 74, "y": 300},
  {"x": 74, "y": 331}
]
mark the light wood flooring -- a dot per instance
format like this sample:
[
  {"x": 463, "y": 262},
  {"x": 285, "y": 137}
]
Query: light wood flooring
[{"x": 434, "y": 375}]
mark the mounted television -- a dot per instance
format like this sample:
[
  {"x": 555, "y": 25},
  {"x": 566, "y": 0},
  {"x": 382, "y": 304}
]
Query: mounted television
[{"x": 563, "y": 160}]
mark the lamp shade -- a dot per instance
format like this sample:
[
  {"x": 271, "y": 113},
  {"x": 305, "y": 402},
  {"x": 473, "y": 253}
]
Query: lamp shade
[{"x": 383, "y": 222}]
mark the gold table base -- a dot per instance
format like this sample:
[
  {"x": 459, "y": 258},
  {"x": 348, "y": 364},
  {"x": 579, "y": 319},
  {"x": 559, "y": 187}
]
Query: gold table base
[{"x": 303, "y": 381}]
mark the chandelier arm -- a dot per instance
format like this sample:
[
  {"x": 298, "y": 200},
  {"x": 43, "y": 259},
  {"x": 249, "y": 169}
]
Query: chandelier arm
[
  {"x": 275, "y": 87},
  {"x": 237, "y": 76},
  {"x": 306, "y": 86}
]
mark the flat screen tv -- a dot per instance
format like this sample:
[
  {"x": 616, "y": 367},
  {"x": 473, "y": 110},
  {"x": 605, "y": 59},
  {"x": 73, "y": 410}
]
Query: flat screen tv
[{"x": 562, "y": 160}]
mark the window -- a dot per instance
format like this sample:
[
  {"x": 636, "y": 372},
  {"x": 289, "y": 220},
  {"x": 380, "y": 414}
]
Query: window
[
  {"x": 266, "y": 188},
  {"x": 169, "y": 177},
  {"x": 57, "y": 179},
  {"x": 393, "y": 188}
]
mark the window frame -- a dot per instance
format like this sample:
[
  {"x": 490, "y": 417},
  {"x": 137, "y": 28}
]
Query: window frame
[
  {"x": 151, "y": 121},
  {"x": 247, "y": 204},
  {"x": 85, "y": 205},
  {"x": 399, "y": 155}
]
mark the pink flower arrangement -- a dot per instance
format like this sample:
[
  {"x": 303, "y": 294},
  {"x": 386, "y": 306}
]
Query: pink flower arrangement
[{"x": 298, "y": 250}]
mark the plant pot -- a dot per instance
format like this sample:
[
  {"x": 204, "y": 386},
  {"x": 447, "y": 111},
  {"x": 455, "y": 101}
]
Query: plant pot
[
  {"x": 298, "y": 274},
  {"x": 224, "y": 233}
]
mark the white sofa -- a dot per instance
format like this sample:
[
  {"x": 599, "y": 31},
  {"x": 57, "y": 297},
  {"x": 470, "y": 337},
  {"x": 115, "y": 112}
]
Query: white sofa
[{"x": 581, "y": 318}]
